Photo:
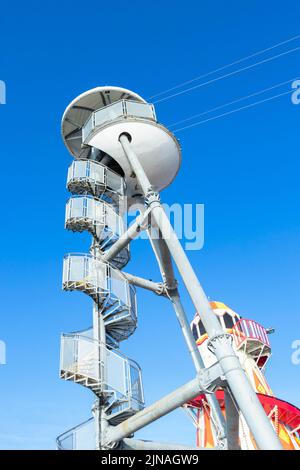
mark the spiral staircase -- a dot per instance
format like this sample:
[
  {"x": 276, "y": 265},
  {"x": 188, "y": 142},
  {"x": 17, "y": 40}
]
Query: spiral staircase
[{"x": 97, "y": 193}]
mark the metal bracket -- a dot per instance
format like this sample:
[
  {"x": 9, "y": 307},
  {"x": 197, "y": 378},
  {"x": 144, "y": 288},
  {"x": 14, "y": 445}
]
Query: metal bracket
[
  {"x": 214, "y": 339},
  {"x": 151, "y": 197},
  {"x": 211, "y": 378}
]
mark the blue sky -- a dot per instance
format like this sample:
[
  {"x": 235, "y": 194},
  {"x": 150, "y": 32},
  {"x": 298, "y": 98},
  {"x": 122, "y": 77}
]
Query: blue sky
[{"x": 243, "y": 167}]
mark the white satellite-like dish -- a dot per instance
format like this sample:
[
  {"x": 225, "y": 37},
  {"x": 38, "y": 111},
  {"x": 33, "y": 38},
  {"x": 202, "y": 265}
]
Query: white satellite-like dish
[{"x": 94, "y": 121}]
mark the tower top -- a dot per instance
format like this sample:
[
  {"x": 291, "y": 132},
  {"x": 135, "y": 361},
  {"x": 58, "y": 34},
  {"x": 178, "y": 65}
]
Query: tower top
[
  {"x": 93, "y": 123},
  {"x": 80, "y": 109}
]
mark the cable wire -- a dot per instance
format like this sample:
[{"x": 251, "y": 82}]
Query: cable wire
[
  {"x": 234, "y": 111},
  {"x": 231, "y": 102},
  {"x": 228, "y": 74},
  {"x": 226, "y": 66}
]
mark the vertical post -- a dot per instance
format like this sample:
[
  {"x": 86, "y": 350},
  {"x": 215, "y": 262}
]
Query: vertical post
[
  {"x": 217, "y": 417},
  {"x": 155, "y": 411},
  {"x": 99, "y": 336},
  {"x": 232, "y": 422},
  {"x": 97, "y": 407},
  {"x": 219, "y": 344},
  {"x": 164, "y": 260}
]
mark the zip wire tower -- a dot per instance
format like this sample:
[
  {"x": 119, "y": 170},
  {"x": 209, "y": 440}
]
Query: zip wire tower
[{"x": 122, "y": 157}]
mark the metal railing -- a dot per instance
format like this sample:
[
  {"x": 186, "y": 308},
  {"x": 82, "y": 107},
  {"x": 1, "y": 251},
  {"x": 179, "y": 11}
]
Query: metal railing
[
  {"x": 104, "y": 370},
  {"x": 245, "y": 330},
  {"x": 122, "y": 109},
  {"x": 101, "y": 220},
  {"x": 94, "y": 215},
  {"x": 81, "y": 437},
  {"x": 108, "y": 287},
  {"x": 89, "y": 176}
]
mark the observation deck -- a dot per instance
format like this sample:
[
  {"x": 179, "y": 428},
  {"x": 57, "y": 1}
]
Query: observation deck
[{"x": 93, "y": 123}]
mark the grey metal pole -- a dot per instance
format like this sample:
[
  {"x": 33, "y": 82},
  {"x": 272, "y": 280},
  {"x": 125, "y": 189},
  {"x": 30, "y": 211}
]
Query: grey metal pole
[
  {"x": 99, "y": 335},
  {"x": 237, "y": 380},
  {"x": 217, "y": 415},
  {"x": 155, "y": 411},
  {"x": 167, "y": 272},
  {"x": 137, "y": 444},
  {"x": 132, "y": 232},
  {"x": 232, "y": 421},
  {"x": 164, "y": 260},
  {"x": 165, "y": 263},
  {"x": 156, "y": 287},
  {"x": 97, "y": 408}
]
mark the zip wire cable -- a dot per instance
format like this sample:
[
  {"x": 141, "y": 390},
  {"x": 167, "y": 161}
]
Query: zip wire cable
[
  {"x": 226, "y": 66},
  {"x": 228, "y": 74},
  {"x": 231, "y": 102},
  {"x": 234, "y": 111}
]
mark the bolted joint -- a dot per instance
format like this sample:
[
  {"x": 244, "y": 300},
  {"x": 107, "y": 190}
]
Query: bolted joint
[
  {"x": 106, "y": 444},
  {"x": 171, "y": 289},
  {"x": 211, "y": 345},
  {"x": 211, "y": 378},
  {"x": 152, "y": 197},
  {"x": 161, "y": 289}
]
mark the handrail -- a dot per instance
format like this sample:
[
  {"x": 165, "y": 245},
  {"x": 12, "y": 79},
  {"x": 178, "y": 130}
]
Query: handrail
[
  {"x": 76, "y": 364},
  {"x": 77, "y": 335},
  {"x": 70, "y": 432},
  {"x": 124, "y": 113},
  {"x": 89, "y": 255},
  {"x": 249, "y": 329},
  {"x": 106, "y": 168}
]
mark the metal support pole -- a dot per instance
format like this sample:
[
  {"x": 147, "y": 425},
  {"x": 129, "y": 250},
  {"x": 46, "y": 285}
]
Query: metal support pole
[
  {"x": 137, "y": 444},
  {"x": 156, "y": 287},
  {"x": 164, "y": 260},
  {"x": 155, "y": 411},
  {"x": 165, "y": 263},
  {"x": 232, "y": 421},
  {"x": 217, "y": 416},
  {"x": 96, "y": 408},
  {"x": 132, "y": 232},
  {"x": 99, "y": 335},
  {"x": 219, "y": 343}
]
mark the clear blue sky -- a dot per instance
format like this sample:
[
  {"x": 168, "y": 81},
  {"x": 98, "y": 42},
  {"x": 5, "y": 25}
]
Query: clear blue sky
[{"x": 244, "y": 168}]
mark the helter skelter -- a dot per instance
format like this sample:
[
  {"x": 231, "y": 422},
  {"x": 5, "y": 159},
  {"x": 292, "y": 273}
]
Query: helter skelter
[{"x": 123, "y": 156}]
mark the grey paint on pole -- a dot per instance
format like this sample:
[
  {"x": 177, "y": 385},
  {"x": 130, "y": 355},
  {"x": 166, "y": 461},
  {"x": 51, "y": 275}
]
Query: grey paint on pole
[
  {"x": 132, "y": 232},
  {"x": 155, "y": 411},
  {"x": 232, "y": 421},
  {"x": 165, "y": 263},
  {"x": 156, "y": 287},
  {"x": 220, "y": 345},
  {"x": 136, "y": 444},
  {"x": 164, "y": 259}
]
